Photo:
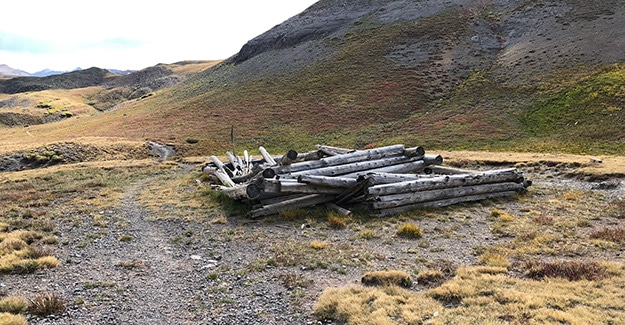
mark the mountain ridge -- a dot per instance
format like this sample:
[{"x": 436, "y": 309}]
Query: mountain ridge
[{"x": 460, "y": 74}]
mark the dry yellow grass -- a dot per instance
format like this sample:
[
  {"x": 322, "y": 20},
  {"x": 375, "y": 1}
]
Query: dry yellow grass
[
  {"x": 13, "y": 305},
  {"x": 358, "y": 305},
  {"x": 10, "y": 319},
  {"x": 386, "y": 278},
  {"x": 483, "y": 295}
]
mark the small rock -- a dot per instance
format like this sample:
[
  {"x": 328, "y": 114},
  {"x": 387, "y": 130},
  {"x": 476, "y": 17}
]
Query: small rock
[{"x": 196, "y": 257}]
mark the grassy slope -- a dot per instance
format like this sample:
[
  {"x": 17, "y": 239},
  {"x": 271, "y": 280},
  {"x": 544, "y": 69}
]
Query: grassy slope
[{"x": 358, "y": 98}]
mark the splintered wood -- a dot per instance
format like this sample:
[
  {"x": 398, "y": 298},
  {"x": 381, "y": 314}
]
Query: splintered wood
[{"x": 387, "y": 180}]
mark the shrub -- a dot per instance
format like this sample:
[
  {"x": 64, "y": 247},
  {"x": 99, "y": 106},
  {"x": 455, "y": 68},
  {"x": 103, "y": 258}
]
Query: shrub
[
  {"x": 10, "y": 319},
  {"x": 571, "y": 270},
  {"x": 47, "y": 304},
  {"x": 192, "y": 141},
  {"x": 385, "y": 278},
  {"x": 13, "y": 305},
  {"x": 409, "y": 230}
]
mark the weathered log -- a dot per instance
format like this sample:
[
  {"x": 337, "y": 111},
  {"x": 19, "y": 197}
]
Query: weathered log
[
  {"x": 389, "y": 178},
  {"x": 288, "y": 158},
  {"x": 223, "y": 177},
  {"x": 414, "y": 152},
  {"x": 438, "y": 182},
  {"x": 334, "y": 151},
  {"x": 442, "y": 203},
  {"x": 354, "y": 191},
  {"x": 355, "y": 169},
  {"x": 340, "y": 210},
  {"x": 237, "y": 192},
  {"x": 395, "y": 200},
  {"x": 301, "y": 202},
  {"x": 253, "y": 172},
  {"x": 396, "y": 166},
  {"x": 319, "y": 180},
  {"x": 445, "y": 170},
  {"x": 357, "y": 156},
  {"x": 432, "y": 159},
  {"x": 266, "y": 156},
  {"x": 273, "y": 198},
  {"x": 295, "y": 187},
  {"x": 311, "y": 155}
]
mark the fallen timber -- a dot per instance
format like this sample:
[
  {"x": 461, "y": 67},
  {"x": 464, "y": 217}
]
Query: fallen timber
[{"x": 387, "y": 180}]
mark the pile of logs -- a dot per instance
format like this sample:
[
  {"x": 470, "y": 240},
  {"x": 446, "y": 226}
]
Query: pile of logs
[{"x": 387, "y": 180}]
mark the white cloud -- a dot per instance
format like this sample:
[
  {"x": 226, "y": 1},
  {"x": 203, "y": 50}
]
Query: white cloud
[{"x": 63, "y": 35}]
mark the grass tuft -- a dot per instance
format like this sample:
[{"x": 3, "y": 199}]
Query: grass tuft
[
  {"x": 10, "y": 319},
  {"x": 47, "y": 304},
  {"x": 13, "y": 305},
  {"x": 316, "y": 244},
  {"x": 386, "y": 278},
  {"x": 430, "y": 277},
  {"x": 409, "y": 230},
  {"x": 336, "y": 222},
  {"x": 494, "y": 259}
]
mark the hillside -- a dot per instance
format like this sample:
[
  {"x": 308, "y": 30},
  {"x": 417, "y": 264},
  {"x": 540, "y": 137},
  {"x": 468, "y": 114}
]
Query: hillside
[
  {"x": 27, "y": 101},
  {"x": 486, "y": 75}
]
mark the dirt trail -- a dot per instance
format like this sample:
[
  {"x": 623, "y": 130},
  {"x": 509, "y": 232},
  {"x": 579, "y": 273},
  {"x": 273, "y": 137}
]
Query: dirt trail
[{"x": 144, "y": 280}]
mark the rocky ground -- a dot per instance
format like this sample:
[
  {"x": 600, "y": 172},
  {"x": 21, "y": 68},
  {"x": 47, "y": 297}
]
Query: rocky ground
[{"x": 134, "y": 269}]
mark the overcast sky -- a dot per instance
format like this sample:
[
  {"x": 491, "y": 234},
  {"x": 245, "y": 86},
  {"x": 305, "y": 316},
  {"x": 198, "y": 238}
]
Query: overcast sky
[{"x": 131, "y": 34}]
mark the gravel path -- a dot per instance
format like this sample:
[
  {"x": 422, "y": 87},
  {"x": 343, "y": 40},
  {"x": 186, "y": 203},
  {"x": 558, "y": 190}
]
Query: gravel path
[{"x": 182, "y": 272}]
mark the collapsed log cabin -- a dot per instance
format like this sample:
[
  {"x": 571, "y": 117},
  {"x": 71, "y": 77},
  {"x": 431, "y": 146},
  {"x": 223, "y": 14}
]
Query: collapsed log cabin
[{"x": 386, "y": 180}]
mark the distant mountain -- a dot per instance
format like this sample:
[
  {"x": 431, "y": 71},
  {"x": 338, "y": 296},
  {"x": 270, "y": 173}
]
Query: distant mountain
[
  {"x": 7, "y": 71},
  {"x": 48, "y": 72},
  {"x": 69, "y": 80}
]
